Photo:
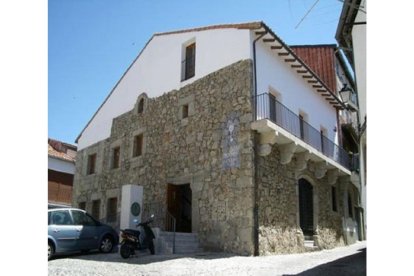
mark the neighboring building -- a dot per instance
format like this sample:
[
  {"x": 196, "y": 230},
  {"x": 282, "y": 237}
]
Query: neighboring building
[
  {"x": 61, "y": 170},
  {"x": 230, "y": 133},
  {"x": 351, "y": 36}
]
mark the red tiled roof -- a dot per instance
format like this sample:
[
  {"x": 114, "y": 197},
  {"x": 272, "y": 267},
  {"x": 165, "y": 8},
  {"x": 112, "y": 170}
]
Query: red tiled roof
[
  {"x": 320, "y": 58},
  {"x": 58, "y": 150}
]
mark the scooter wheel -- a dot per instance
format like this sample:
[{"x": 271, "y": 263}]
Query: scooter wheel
[{"x": 125, "y": 251}]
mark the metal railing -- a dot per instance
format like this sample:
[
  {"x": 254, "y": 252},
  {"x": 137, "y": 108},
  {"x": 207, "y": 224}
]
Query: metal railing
[
  {"x": 170, "y": 226},
  {"x": 267, "y": 107}
]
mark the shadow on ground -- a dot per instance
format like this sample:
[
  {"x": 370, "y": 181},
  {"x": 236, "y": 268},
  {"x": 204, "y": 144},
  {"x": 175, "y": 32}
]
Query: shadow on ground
[{"x": 354, "y": 265}]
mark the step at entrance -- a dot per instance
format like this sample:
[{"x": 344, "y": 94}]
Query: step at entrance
[{"x": 184, "y": 243}]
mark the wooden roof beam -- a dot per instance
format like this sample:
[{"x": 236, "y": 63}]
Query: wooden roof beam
[
  {"x": 312, "y": 81},
  {"x": 296, "y": 65},
  {"x": 302, "y": 71},
  {"x": 276, "y": 47},
  {"x": 283, "y": 54},
  {"x": 307, "y": 77},
  {"x": 269, "y": 39},
  {"x": 290, "y": 59}
]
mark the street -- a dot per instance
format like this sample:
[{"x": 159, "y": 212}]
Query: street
[{"x": 348, "y": 260}]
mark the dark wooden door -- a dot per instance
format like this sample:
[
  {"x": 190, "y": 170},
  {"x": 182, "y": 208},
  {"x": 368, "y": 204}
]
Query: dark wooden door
[
  {"x": 306, "y": 207},
  {"x": 179, "y": 206}
]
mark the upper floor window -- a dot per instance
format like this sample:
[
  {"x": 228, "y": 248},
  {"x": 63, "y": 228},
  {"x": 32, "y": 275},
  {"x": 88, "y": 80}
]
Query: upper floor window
[
  {"x": 91, "y": 164},
  {"x": 188, "y": 64},
  {"x": 138, "y": 145},
  {"x": 116, "y": 157},
  {"x": 141, "y": 105}
]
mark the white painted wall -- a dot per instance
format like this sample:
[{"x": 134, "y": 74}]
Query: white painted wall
[
  {"x": 158, "y": 70},
  {"x": 359, "y": 47},
  {"x": 61, "y": 165},
  {"x": 296, "y": 93}
]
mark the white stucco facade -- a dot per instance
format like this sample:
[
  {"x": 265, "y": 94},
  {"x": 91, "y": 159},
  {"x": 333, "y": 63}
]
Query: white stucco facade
[
  {"x": 158, "y": 68},
  {"x": 295, "y": 93},
  {"x": 60, "y": 165}
]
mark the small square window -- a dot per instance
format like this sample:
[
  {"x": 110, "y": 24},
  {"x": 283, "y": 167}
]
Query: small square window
[
  {"x": 138, "y": 145},
  {"x": 184, "y": 112},
  {"x": 91, "y": 164},
  {"x": 333, "y": 195},
  {"x": 116, "y": 157}
]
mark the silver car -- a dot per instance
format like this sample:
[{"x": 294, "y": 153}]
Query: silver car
[{"x": 71, "y": 230}]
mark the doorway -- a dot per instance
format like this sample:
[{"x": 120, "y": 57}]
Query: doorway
[
  {"x": 306, "y": 208},
  {"x": 179, "y": 206}
]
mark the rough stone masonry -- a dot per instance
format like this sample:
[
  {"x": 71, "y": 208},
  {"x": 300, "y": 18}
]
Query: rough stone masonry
[{"x": 211, "y": 147}]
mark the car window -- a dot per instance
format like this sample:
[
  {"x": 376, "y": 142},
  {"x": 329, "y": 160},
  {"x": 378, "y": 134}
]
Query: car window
[
  {"x": 61, "y": 217},
  {"x": 80, "y": 218},
  {"x": 49, "y": 215}
]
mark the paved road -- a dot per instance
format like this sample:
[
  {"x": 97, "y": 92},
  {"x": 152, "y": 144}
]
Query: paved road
[{"x": 349, "y": 260}]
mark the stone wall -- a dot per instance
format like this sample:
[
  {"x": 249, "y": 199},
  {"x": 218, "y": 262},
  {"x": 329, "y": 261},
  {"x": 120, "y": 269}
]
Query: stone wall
[
  {"x": 279, "y": 228},
  {"x": 211, "y": 149}
]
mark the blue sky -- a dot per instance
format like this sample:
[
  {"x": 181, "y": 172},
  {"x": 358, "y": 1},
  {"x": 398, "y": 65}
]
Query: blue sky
[{"x": 91, "y": 43}]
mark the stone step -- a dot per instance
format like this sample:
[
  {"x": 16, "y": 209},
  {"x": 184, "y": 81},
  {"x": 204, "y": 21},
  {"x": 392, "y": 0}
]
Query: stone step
[{"x": 184, "y": 243}]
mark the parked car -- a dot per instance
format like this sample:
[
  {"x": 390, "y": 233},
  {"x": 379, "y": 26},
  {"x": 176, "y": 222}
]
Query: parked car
[{"x": 71, "y": 230}]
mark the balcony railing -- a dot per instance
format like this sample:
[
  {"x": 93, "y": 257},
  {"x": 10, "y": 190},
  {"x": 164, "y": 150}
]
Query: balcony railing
[{"x": 267, "y": 107}]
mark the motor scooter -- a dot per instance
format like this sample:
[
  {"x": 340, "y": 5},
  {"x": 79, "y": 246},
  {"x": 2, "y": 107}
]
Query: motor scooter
[{"x": 132, "y": 240}]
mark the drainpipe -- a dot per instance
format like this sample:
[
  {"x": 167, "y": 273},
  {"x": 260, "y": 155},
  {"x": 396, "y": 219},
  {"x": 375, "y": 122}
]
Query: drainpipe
[{"x": 256, "y": 155}]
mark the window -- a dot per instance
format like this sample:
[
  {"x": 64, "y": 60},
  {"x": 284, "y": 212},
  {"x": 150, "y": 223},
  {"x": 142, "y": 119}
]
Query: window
[
  {"x": 80, "y": 218},
  {"x": 141, "y": 106},
  {"x": 350, "y": 206},
  {"x": 111, "y": 211},
  {"x": 61, "y": 218},
  {"x": 334, "y": 205},
  {"x": 96, "y": 208},
  {"x": 323, "y": 140},
  {"x": 91, "y": 164},
  {"x": 184, "y": 112},
  {"x": 116, "y": 154},
  {"x": 188, "y": 65},
  {"x": 301, "y": 125},
  {"x": 138, "y": 145},
  {"x": 82, "y": 205}
]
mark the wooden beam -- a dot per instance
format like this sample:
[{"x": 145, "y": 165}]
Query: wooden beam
[
  {"x": 302, "y": 71},
  {"x": 317, "y": 86},
  {"x": 307, "y": 77},
  {"x": 261, "y": 33},
  {"x": 269, "y": 40},
  {"x": 321, "y": 90},
  {"x": 296, "y": 65},
  {"x": 276, "y": 47},
  {"x": 332, "y": 102},
  {"x": 325, "y": 94},
  {"x": 312, "y": 81},
  {"x": 283, "y": 54},
  {"x": 290, "y": 60}
]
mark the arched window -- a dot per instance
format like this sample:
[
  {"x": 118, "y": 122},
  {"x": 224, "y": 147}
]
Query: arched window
[{"x": 141, "y": 106}]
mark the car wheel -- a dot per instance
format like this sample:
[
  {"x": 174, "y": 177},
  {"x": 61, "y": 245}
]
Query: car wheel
[
  {"x": 106, "y": 245},
  {"x": 125, "y": 251},
  {"x": 50, "y": 250}
]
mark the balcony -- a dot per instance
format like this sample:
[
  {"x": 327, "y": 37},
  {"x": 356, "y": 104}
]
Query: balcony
[{"x": 296, "y": 138}]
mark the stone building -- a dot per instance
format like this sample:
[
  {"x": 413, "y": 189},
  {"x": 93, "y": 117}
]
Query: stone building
[{"x": 197, "y": 122}]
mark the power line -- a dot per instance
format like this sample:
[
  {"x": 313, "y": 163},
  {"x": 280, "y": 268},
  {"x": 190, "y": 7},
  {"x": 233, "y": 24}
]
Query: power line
[{"x": 314, "y": 4}]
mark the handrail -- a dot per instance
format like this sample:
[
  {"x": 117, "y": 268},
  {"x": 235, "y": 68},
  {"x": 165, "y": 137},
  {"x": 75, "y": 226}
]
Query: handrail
[
  {"x": 267, "y": 107},
  {"x": 171, "y": 226}
]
